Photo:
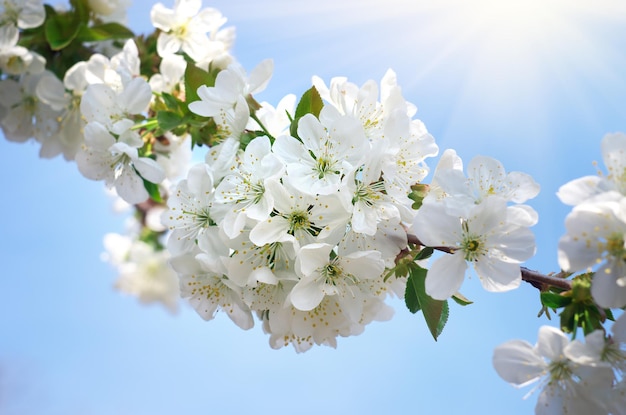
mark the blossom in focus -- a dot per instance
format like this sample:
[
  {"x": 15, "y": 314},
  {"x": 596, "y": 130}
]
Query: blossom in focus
[
  {"x": 323, "y": 274},
  {"x": 189, "y": 214},
  {"x": 117, "y": 162},
  {"x": 324, "y": 154},
  {"x": 208, "y": 289},
  {"x": 103, "y": 104},
  {"x": 484, "y": 238},
  {"x": 486, "y": 177},
  {"x": 231, "y": 84}
]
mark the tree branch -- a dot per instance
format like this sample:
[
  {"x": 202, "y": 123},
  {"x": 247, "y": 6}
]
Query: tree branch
[{"x": 536, "y": 279}]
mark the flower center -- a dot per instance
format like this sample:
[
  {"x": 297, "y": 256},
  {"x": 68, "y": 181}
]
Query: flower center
[
  {"x": 615, "y": 246},
  {"x": 368, "y": 194},
  {"x": 298, "y": 220},
  {"x": 331, "y": 273},
  {"x": 560, "y": 371},
  {"x": 472, "y": 245}
]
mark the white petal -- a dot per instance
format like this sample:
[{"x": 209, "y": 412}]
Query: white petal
[
  {"x": 167, "y": 44},
  {"x": 578, "y": 190},
  {"x": 551, "y": 342},
  {"x": 312, "y": 257},
  {"x": 619, "y": 329},
  {"x": 268, "y": 231},
  {"x": 98, "y": 137},
  {"x": 136, "y": 96},
  {"x": 149, "y": 169},
  {"x": 589, "y": 352},
  {"x": 498, "y": 276},
  {"x": 517, "y": 362},
  {"x": 260, "y": 76},
  {"x": 605, "y": 289},
  {"x": 445, "y": 276},
  {"x": 162, "y": 17},
  {"x": 130, "y": 187},
  {"x": 306, "y": 294},
  {"x": 435, "y": 227}
]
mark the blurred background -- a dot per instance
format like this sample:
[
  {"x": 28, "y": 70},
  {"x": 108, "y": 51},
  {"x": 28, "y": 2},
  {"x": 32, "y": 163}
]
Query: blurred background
[{"x": 534, "y": 84}]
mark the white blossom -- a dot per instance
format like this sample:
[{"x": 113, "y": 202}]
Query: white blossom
[
  {"x": 184, "y": 28},
  {"x": 568, "y": 387},
  {"x": 484, "y": 238},
  {"x": 208, "y": 289},
  {"x": 143, "y": 271},
  {"x": 614, "y": 154},
  {"x": 117, "y": 162},
  {"x": 596, "y": 231}
]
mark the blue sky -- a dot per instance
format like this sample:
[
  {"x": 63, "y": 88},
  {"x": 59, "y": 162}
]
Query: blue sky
[{"x": 533, "y": 84}]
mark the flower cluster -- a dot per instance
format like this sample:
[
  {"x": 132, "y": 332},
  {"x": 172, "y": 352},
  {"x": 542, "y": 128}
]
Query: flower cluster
[
  {"x": 299, "y": 224},
  {"x": 472, "y": 218},
  {"x": 576, "y": 377},
  {"x": 310, "y": 214},
  {"x": 596, "y": 226}
]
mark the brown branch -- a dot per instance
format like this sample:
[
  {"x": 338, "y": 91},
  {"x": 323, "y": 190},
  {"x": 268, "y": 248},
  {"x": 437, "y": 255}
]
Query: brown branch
[
  {"x": 536, "y": 279},
  {"x": 542, "y": 281},
  {"x": 412, "y": 239}
]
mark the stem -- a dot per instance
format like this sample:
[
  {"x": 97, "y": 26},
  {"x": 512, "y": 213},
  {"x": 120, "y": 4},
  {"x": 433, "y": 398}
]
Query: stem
[
  {"x": 149, "y": 125},
  {"x": 267, "y": 133},
  {"x": 536, "y": 279}
]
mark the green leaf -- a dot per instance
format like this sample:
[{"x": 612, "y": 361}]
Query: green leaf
[
  {"x": 461, "y": 299},
  {"x": 195, "y": 78},
  {"x": 424, "y": 253},
  {"x": 80, "y": 10},
  {"x": 60, "y": 29},
  {"x": 410, "y": 296},
  {"x": 310, "y": 103},
  {"x": 554, "y": 300},
  {"x": 104, "y": 31},
  {"x": 168, "y": 120},
  {"x": 418, "y": 193},
  {"x": 170, "y": 101},
  {"x": 153, "y": 191},
  {"x": 435, "y": 311}
]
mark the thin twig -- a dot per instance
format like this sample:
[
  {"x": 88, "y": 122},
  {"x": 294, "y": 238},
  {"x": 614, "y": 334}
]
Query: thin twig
[{"x": 536, "y": 279}]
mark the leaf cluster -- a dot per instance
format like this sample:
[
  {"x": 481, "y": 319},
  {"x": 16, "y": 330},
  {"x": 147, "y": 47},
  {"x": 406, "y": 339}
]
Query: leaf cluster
[
  {"x": 578, "y": 310},
  {"x": 66, "y": 37}
]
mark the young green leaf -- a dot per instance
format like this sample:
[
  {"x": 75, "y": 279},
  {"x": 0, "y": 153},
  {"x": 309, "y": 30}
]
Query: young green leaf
[
  {"x": 460, "y": 299},
  {"x": 170, "y": 101},
  {"x": 104, "y": 31},
  {"x": 424, "y": 253},
  {"x": 194, "y": 78},
  {"x": 410, "y": 296},
  {"x": 435, "y": 311},
  {"x": 310, "y": 103},
  {"x": 60, "y": 29},
  {"x": 153, "y": 191},
  {"x": 554, "y": 300},
  {"x": 168, "y": 120}
]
